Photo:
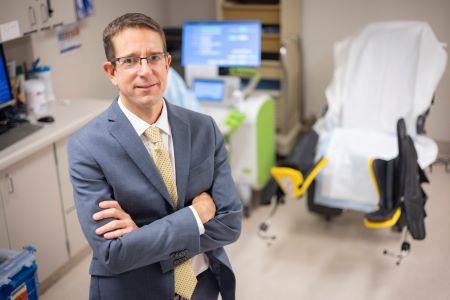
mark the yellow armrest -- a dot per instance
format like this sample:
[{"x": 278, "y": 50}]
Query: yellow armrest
[
  {"x": 386, "y": 223},
  {"x": 319, "y": 166},
  {"x": 291, "y": 181},
  {"x": 288, "y": 179}
]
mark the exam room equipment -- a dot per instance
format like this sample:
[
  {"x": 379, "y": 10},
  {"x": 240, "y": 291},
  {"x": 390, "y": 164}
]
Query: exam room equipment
[
  {"x": 368, "y": 151},
  {"x": 245, "y": 116}
]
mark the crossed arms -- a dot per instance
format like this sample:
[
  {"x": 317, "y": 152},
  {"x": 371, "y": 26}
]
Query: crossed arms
[
  {"x": 122, "y": 223},
  {"x": 118, "y": 244}
]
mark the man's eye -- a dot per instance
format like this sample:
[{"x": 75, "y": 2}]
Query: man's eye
[
  {"x": 154, "y": 58},
  {"x": 127, "y": 60}
]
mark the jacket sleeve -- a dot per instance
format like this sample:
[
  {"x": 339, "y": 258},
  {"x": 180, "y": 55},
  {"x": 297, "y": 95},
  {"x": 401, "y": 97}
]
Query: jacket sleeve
[
  {"x": 160, "y": 241},
  {"x": 225, "y": 227}
]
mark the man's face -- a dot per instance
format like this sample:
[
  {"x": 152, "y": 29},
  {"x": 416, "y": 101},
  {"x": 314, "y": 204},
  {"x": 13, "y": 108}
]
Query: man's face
[{"x": 141, "y": 88}]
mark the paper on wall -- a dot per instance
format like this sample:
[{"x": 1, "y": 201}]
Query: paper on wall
[{"x": 68, "y": 39}]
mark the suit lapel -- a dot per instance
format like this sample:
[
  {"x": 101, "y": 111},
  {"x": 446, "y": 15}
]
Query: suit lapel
[
  {"x": 182, "y": 150},
  {"x": 122, "y": 130}
]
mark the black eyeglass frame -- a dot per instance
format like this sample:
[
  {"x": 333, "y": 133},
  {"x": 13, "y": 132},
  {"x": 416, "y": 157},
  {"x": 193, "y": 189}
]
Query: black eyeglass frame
[{"x": 116, "y": 59}]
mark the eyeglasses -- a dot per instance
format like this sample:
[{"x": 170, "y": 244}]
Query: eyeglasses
[{"x": 133, "y": 62}]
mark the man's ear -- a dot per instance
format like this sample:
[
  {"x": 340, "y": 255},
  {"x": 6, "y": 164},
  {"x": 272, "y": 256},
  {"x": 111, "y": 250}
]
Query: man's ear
[
  {"x": 168, "y": 61},
  {"x": 110, "y": 71}
]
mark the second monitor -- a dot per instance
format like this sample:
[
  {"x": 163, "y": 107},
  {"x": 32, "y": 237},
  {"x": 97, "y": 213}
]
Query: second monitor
[{"x": 215, "y": 91}]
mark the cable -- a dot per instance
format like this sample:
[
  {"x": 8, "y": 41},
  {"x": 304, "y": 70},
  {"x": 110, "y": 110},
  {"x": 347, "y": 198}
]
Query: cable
[
  {"x": 404, "y": 249},
  {"x": 264, "y": 227}
]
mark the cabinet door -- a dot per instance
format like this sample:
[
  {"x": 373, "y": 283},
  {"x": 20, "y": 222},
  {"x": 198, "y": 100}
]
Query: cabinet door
[
  {"x": 33, "y": 209},
  {"x": 75, "y": 236},
  {"x": 63, "y": 12},
  {"x": 44, "y": 14},
  {"x": 4, "y": 243},
  {"x": 24, "y": 11},
  {"x": 37, "y": 15}
]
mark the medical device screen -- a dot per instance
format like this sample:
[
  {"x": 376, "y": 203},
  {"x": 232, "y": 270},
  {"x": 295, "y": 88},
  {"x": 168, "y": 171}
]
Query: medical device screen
[
  {"x": 221, "y": 43},
  {"x": 209, "y": 90}
]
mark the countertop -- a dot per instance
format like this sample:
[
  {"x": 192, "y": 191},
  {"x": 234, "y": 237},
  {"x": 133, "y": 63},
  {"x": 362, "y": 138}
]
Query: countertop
[{"x": 69, "y": 117}]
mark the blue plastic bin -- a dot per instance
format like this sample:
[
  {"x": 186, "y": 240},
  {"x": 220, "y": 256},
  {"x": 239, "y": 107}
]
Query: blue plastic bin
[{"x": 18, "y": 277}]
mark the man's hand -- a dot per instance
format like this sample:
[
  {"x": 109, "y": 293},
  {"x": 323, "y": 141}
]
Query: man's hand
[
  {"x": 205, "y": 207},
  {"x": 115, "y": 228}
]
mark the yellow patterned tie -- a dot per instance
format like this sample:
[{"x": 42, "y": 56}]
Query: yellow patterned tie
[{"x": 185, "y": 280}]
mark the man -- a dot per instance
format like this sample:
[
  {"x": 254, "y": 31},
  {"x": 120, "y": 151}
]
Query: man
[{"x": 152, "y": 185}]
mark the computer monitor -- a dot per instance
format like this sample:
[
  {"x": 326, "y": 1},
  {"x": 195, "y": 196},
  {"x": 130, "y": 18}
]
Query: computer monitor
[
  {"x": 210, "y": 90},
  {"x": 221, "y": 43},
  {"x": 216, "y": 91},
  {"x": 6, "y": 96}
]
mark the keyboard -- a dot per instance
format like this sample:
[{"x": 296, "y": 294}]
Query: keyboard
[{"x": 17, "y": 132}]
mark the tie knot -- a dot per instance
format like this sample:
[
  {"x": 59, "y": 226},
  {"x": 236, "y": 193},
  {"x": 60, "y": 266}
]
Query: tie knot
[{"x": 153, "y": 134}]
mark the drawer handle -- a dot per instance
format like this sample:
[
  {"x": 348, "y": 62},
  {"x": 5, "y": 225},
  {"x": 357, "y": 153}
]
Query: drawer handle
[
  {"x": 10, "y": 184},
  {"x": 44, "y": 13},
  {"x": 31, "y": 15}
]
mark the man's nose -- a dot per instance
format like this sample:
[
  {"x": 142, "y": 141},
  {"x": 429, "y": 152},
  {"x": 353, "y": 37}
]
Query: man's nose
[{"x": 144, "y": 66}]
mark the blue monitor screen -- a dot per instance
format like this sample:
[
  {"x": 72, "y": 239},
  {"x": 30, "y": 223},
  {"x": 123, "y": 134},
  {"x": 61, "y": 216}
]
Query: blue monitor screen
[
  {"x": 222, "y": 43},
  {"x": 209, "y": 90},
  {"x": 5, "y": 90}
]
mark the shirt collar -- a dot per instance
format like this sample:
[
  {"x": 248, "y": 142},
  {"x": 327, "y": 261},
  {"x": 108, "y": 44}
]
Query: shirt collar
[{"x": 140, "y": 125}]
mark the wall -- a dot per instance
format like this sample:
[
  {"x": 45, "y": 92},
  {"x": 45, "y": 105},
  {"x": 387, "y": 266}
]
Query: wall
[
  {"x": 19, "y": 50},
  {"x": 327, "y": 21},
  {"x": 81, "y": 74},
  {"x": 323, "y": 23},
  {"x": 182, "y": 10}
]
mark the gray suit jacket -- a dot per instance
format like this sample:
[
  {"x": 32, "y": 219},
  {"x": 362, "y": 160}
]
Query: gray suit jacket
[{"x": 109, "y": 161}]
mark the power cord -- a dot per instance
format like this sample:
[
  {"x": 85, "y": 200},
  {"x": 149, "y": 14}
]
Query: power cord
[
  {"x": 404, "y": 249},
  {"x": 264, "y": 227}
]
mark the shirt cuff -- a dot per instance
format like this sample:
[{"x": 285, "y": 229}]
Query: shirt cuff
[{"x": 201, "y": 228}]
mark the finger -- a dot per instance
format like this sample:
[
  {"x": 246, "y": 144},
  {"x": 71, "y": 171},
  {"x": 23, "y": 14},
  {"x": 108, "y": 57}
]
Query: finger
[
  {"x": 128, "y": 227},
  {"x": 110, "y": 226},
  {"x": 103, "y": 214},
  {"x": 109, "y": 204},
  {"x": 124, "y": 227},
  {"x": 115, "y": 225},
  {"x": 110, "y": 213},
  {"x": 114, "y": 234}
]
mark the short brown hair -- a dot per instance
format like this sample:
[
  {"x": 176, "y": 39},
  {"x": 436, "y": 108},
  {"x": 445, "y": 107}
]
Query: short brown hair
[{"x": 130, "y": 20}]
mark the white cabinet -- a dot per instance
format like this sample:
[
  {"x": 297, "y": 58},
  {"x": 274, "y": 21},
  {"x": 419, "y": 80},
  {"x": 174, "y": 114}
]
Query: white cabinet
[
  {"x": 21, "y": 11},
  {"x": 37, "y": 15},
  {"x": 32, "y": 209},
  {"x": 4, "y": 243},
  {"x": 75, "y": 237},
  {"x": 63, "y": 12},
  {"x": 36, "y": 200}
]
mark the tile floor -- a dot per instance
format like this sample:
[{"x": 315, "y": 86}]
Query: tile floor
[{"x": 314, "y": 259}]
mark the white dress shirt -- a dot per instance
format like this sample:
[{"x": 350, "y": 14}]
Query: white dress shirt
[{"x": 200, "y": 262}]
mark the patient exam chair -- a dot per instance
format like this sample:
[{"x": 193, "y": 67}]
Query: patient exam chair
[{"x": 368, "y": 151}]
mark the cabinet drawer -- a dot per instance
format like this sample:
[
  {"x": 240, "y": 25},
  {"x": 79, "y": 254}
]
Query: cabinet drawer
[{"x": 268, "y": 14}]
